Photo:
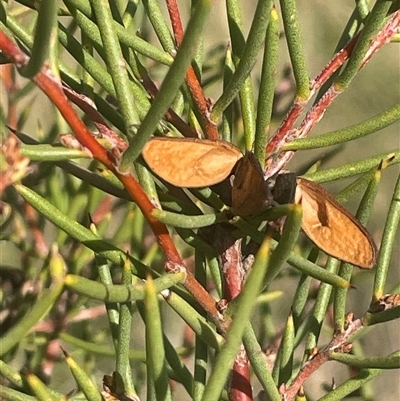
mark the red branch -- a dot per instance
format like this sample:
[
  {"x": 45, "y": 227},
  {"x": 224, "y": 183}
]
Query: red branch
[
  {"x": 11, "y": 86},
  {"x": 240, "y": 389},
  {"x": 32, "y": 219},
  {"x": 339, "y": 343},
  {"x": 193, "y": 83},
  {"x": 48, "y": 83},
  {"x": 337, "y": 61},
  {"x": 170, "y": 115},
  {"x": 286, "y": 133},
  {"x": 283, "y": 134},
  {"x": 176, "y": 21},
  {"x": 234, "y": 274}
]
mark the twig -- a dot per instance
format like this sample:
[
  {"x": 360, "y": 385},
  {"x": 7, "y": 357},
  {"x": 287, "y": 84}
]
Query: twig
[
  {"x": 48, "y": 83},
  {"x": 191, "y": 79},
  {"x": 286, "y": 133},
  {"x": 339, "y": 343},
  {"x": 234, "y": 274}
]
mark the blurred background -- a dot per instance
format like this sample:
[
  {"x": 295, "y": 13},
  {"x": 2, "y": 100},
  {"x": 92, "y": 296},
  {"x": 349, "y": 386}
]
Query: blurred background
[{"x": 375, "y": 89}]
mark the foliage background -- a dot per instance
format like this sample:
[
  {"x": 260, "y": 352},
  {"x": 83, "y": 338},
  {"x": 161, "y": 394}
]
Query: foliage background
[{"x": 374, "y": 90}]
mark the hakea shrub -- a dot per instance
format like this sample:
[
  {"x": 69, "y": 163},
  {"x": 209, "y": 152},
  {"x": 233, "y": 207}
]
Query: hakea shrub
[{"x": 153, "y": 236}]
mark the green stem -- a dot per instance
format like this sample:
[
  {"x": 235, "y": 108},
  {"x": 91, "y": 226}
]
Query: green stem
[
  {"x": 320, "y": 308},
  {"x": 388, "y": 242},
  {"x": 373, "y": 24},
  {"x": 13, "y": 395},
  {"x": 45, "y": 28},
  {"x": 118, "y": 293},
  {"x": 82, "y": 378},
  {"x": 201, "y": 349},
  {"x": 158, "y": 381},
  {"x": 351, "y": 385},
  {"x": 160, "y": 26},
  {"x": 346, "y": 269},
  {"x": 286, "y": 352},
  {"x": 352, "y": 169},
  {"x": 184, "y": 221},
  {"x": 388, "y": 362},
  {"x": 295, "y": 45},
  {"x": 244, "y": 307},
  {"x": 76, "y": 230},
  {"x": 134, "y": 42},
  {"x": 258, "y": 363},
  {"x": 52, "y": 153},
  {"x": 351, "y": 133},
  {"x": 125, "y": 327},
  {"x": 267, "y": 87},
  {"x": 116, "y": 64},
  {"x": 171, "y": 84},
  {"x": 247, "y": 59}
]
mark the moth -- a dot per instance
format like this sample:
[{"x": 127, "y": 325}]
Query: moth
[
  {"x": 333, "y": 228},
  {"x": 199, "y": 163},
  {"x": 193, "y": 163}
]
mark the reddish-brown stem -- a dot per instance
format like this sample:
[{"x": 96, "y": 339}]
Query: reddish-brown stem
[
  {"x": 49, "y": 85},
  {"x": 191, "y": 79},
  {"x": 338, "y": 60},
  {"x": 11, "y": 87},
  {"x": 32, "y": 219},
  {"x": 280, "y": 136},
  {"x": 233, "y": 272},
  {"x": 312, "y": 117},
  {"x": 86, "y": 104},
  {"x": 52, "y": 88},
  {"x": 202, "y": 104},
  {"x": 234, "y": 275},
  {"x": 339, "y": 343},
  {"x": 384, "y": 36},
  {"x": 176, "y": 22},
  {"x": 286, "y": 133},
  {"x": 283, "y": 134},
  {"x": 170, "y": 115},
  {"x": 240, "y": 389}
]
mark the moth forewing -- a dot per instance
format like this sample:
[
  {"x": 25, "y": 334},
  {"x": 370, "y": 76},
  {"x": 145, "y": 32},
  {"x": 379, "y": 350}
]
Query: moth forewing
[
  {"x": 250, "y": 193},
  {"x": 332, "y": 228},
  {"x": 190, "y": 163}
]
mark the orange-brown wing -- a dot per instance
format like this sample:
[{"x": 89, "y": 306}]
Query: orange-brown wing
[
  {"x": 190, "y": 162},
  {"x": 332, "y": 228},
  {"x": 250, "y": 193}
]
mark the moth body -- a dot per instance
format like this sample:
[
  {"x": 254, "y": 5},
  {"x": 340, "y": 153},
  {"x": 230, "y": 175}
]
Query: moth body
[{"x": 200, "y": 163}]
